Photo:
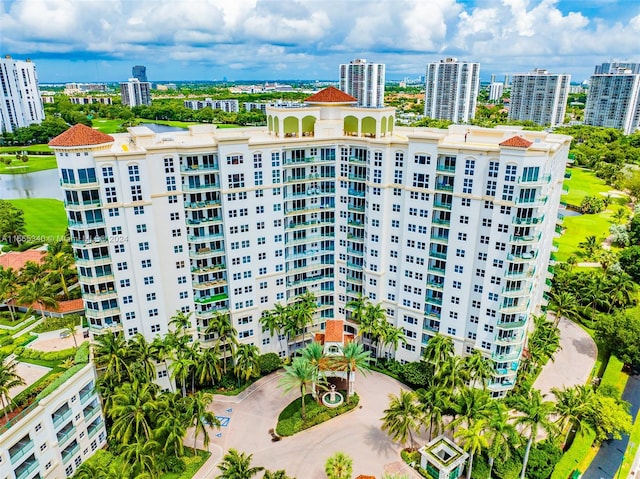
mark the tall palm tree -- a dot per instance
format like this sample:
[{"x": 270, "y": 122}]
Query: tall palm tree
[
  {"x": 32, "y": 271},
  {"x": 162, "y": 350},
  {"x": 472, "y": 440},
  {"x": 172, "y": 425},
  {"x": 237, "y": 465},
  {"x": 590, "y": 245},
  {"x": 374, "y": 322},
  {"x": 575, "y": 406},
  {"x": 402, "y": 417},
  {"x": 220, "y": 325},
  {"x": 142, "y": 358},
  {"x": 8, "y": 288},
  {"x": 303, "y": 311},
  {"x": 181, "y": 321},
  {"x": 111, "y": 354},
  {"x": 501, "y": 433},
  {"x": 299, "y": 374},
  {"x": 271, "y": 322},
  {"x": 452, "y": 373},
  {"x": 339, "y": 466},
  {"x": 391, "y": 337},
  {"x": 8, "y": 379},
  {"x": 60, "y": 264},
  {"x": 279, "y": 474},
  {"x": 358, "y": 306},
  {"x": 38, "y": 291},
  {"x": 180, "y": 368},
  {"x": 353, "y": 359},
  {"x": 469, "y": 405},
  {"x": 133, "y": 411},
  {"x": 209, "y": 367},
  {"x": 535, "y": 415},
  {"x": 247, "y": 362},
  {"x": 434, "y": 402},
  {"x": 479, "y": 367},
  {"x": 437, "y": 350},
  {"x": 281, "y": 317},
  {"x": 565, "y": 305},
  {"x": 200, "y": 417},
  {"x": 141, "y": 455},
  {"x": 621, "y": 289}
]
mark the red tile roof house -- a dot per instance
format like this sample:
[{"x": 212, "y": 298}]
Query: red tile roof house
[
  {"x": 65, "y": 308},
  {"x": 17, "y": 260},
  {"x": 334, "y": 338}
]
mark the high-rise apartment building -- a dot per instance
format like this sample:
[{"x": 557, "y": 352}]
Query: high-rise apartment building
[
  {"x": 135, "y": 92},
  {"x": 496, "y": 89},
  {"x": 539, "y": 96},
  {"x": 20, "y": 102},
  {"x": 139, "y": 72},
  {"x": 452, "y": 90},
  {"x": 613, "y": 101},
  {"x": 613, "y": 67},
  {"x": 450, "y": 230},
  {"x": 364, "y": 81}
]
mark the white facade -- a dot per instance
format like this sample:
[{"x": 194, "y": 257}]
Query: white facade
[
  {"x": 452, "y": 90},
  {"x": 447, "y": 228},
  {"x": 539, "y": 96},
  {"x": 20, "y": 102},
  {"x": 135, "y": 93},
  {"x": 613, "y": 101},
  {"x": 364, "y": 81},
  {"x": 224, "y": 105},
  {"x": 613, "y": 67},
  {"x": 52, "y": 437},
  {"x": 496, "y": 89}
]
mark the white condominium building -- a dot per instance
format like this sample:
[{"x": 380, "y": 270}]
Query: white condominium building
[
  {"x": 364, "y": 81},
  {"x": 613, "y": 101},
  {"x": 224, "y": 105},
  {"x": 451, "y": 230},
  {"x": 20, "y": 102},
  {"x": 452, "y": 90},
  {"x": 135, "y": 93},
  {"x": 54, "y": 435},
  {"x": 613, "y": 67},
  {"x": 496, "y": 89},
  {"x": 540, "y": 97}
]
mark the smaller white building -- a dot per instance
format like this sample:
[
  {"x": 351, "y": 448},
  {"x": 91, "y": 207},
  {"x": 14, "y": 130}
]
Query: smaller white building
[
  {"x": 442, "y": 458},
  {"x": 496, "y": 89},
  {"x": 54, "y": 435}
]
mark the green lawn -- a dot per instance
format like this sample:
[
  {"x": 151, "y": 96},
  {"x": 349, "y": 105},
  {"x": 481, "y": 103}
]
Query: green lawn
[
  {"x": 577, "y": 228},
  {"x": 179, "y": 124},
  {"x": 192, "y": 463},
  {"x": 43, "y": 217},
  {"x": 28, "y": 149},
  {"x": 632, "y": 449},
  {"x": 35, "y": 163},
  {"x": 106, "y": 125},
  {"x": 583, "y": 183}
]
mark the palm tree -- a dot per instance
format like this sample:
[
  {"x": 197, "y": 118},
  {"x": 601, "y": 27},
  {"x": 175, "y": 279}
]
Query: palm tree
[
  {"x": 180, "y": 321},
  {"x": 209, "y": 367},
  {"x": 621, "y": 290},
  {"x": 172, "y": 425},
  {"x": 437, "y": 350},
  {"x": 200, "y": 417},
  {"x": 590, "y": 245},
  {"x": 472, "y": 440},
  {"x": 38, "y": 291},
  {"x": 620, "y": 215},
  {"x": 402, "y": 417},
  {"x": 271, "y": 322},
  {"x": 180, "y": 369},
  {"x": 373, "y": 323},
  {"x": 236, "y": 465},
  {"x": 141, "y": 455},
  {"x": 469, "y": 405},
  {"x": 279, "y": 474},
  {"x": 32, "y": 271},
  {"x": 298, "y": 375},
  {"x": 8, "y": 379},
  {"x": 247, "y": 362},
  {"x": 575, "y": 406},
  {"x": 480, "y": 368},
  {"x": 220, "y": 325},
  {"x": 501, "y": 433},
  {"x": 434, "y": 403},
  {"x": 143, "y": 357},
  {"x": 392, "y": 336},
  {"x": 8, "y": 288},
  {"x": 339, "y": 466},
  {"x": 133, "y": 410},
  {"x": 161, "y": 350},
  {"x": 358, "y": 306},
  {"x": 281, "y": 318},
  {"x": 535, "y": 415},
  {"x": 111, "y": 354},
  {"x": 564, "y": 304},
  {"x": 60, "y": 263},
  {"x": 354, "y": 359},
  {"x": 303, "y": 311},
  {"x": 314, "y": 354},
  {"x": 453, "y": 373}
]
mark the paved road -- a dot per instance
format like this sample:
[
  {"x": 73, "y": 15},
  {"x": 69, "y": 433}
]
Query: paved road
[
  {"x": 609, "y": 458},
  {"x": 303, "y": 456},
  {"x": 573, "y": 362}
]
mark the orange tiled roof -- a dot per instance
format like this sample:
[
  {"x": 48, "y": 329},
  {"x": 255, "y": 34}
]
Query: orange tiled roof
[
  {"x": 331, "y": 95},
  {"x": 362, "y": 476},
  {"x": 81, "y": 135},
  {"x": 71, "y": 306},
  {"x": 334, "y": 331},
  {"x": 517, "y": 142},
  {"x": 17, "y": 260}
]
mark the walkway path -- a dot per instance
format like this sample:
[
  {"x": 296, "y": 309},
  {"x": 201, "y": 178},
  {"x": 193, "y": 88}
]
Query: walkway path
[
  {"x": 573, "y": 362},
  {"x": 248, "y": 417}
]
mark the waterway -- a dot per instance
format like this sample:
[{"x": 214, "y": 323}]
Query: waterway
[{"x": 40, "y": 184}]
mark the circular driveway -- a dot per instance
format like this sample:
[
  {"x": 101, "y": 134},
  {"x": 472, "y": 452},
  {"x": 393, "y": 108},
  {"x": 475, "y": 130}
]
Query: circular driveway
[{"x": 246, "y": 423}]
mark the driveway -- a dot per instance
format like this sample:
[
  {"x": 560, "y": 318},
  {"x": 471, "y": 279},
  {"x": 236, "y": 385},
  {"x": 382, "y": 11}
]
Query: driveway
[
  {"x": 246, "y": 425},
  {"x": 573, "y": 362}
]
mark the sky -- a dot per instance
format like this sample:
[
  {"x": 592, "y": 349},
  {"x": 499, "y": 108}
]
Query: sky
[{"x": 100, "y": 40}]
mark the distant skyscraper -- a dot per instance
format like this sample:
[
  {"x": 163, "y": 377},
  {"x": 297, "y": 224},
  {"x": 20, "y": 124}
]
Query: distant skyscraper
[
  {"x": 20, "y": 102},
  {"x": 452, "y": 90},
  {"x": 135, "y": 92},
  {"x": 363, "y": 81},
  {"x": 539, "y": 96},
  {"x": 139, "y": 72},
  {"x": 613, "y": 101},
  {"x": 496, "y": 90},
  {"x": 613, "y": 67}
]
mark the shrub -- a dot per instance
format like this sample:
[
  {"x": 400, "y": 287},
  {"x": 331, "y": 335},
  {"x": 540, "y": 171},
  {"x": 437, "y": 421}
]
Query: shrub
[
  {"x": 410, "y": 456},
  {"x": 290, "y": 420},
  {"x": 269, "y": 362},
  {"x": 54, "y": 324},
  {"x": 82, "y": 355},
  {"x": 60, "y": 380},
  {"x": 416, "y": 374},
  {"x": 591, "y": 205},
  {"x": 6, "y": 340},
  {"x": 47, "y": 355}
]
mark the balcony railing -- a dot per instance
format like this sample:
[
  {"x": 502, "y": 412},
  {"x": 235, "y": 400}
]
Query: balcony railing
[
  {"x": 59, "y": 418},
  {"x": 199, "y": 168},
  {"x": 537, "y": 181}
]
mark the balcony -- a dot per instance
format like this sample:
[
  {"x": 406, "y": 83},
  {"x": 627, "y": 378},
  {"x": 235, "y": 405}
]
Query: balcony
[
  {"x": 65, "y": 434},
  {"x": 525, "y": 240},
  {"x": 310, "y": 239},
  {"x": 207, "y": 237},
  {"x": 306, "y": 224},
  {"x": 532, "y": 201},
  {"x": 356, "y": 208},
  {"x": 441, "y": 221},
  {"x": 199, "y": 187},
  {"x": 199, "y": 285},
  {"x": 534, "y": 220},
  {"x": 356, "y": 223},
  {"x": 442, "y": 205},
  {"x": 357, "y": 193},
  {"x": 437, "y": 254},
  {"x": 59, "y": 416},
  {"x": 86, "y": 393},
  {"x": 20, "y": 449},
  {"x": 444, "y": 186},
  {"x": 523, "y": 290},
  {"x": 296, "y": 178},
  {"x": 436, "y": 269},
  {"x": 522, "y": 257},
  {"x": 96, "y": 261},
  {"x": 211, "y": 299},
  {"x": 205, "y": 253},
  {"x": 445, "y": 168},
  {"x": 357, "y": 177},
  {"x": 524, "y": 274},
  {"x": 198, "y": 205},
  {"x": 300, "y": 282},
  {"x": 519, "y": 323},
  {"x": 90, "y": 411},
  {"x": 433, "y": 300},
  {"x": 70, "y": 450},
  {"x": 84, "y": 205},
  {"x": 100, "y": 295},
  {"x": 440, "y": 238},
  {"x": 355, "y": 159},
  {"x": 208, "y": 268},
  {"x": 435, "y": 284},
  {"x": 97, "y": 241},
  {"x": 534, "y": 181},
  {"x": 82, "y": 225},
  {"x": 199, "y": 168},
  {"x": 298, "y": 161},
  {"x": 513, "y": 338},
  {"x": 78, "y": 186},
  {"x": 510, "y": 356},
  {"x": 501, "y": 386},
  {"x": 514, "y": 308},
  {"x": 27, "y": 468}
]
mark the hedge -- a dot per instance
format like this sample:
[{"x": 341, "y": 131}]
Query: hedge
[
  {"x": 29, "y": 394},
  {"x": 59, "y": 381},
  {"x": 46, "y": 355},
  {"x": 574, "y": 455},
  {"x": 82, "y": 354},
  {"x": 290, "y": 420},
  {"x": 611, "y": 375}
]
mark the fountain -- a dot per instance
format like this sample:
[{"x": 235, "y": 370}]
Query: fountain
[{"x": 332, "y": 398}]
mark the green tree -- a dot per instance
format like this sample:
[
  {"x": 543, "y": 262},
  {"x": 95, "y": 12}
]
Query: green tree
[
  {"x": 209, "y": 367},
  {"x": 357, "y": 307},
  {"x": 8, "y": 379},
  {"x": 141, "y": 456},
  {"x": 237, "y": 465},
  {"x": 564, "y": 304},
  {"x": 8, "y": 288},
  {"x": 143, "y": 358},
  {"x": 574, "y": 405},
  {"x": 629, "y": 260},
  {"x": 535, "y": 415},
  {"x": 339, "y": 466},
  {"x": 402, "y": 418},
  {"x": 619, "y": 334},
  {"x": 299, "y": 374},
  {"x": 247, "y": 362},
  {"x": 611, "y": 418},
  {"x": 12, "y": 225},
  {"x": 200, "y": 417},
  {"x": 353, "y": 359},
  {"x": 501, "y": 433},
  {"x": 470, "y": 405},
  {"x": 110, "y": 353},
  {"x": 438, "y": 349},
  {"x": 472, "y": 439},
  {"x": 60, "y": 264},
  {"x": 590, "y": 245},
  {"x": 479, "y": 367},
  {"x": 133, "y": 411},
  {"x": 221, "y": 326},
  {"x": 39, "y": 293},
  {"x": 434, "y": 404},
  {"x": 180, "y": 369}
]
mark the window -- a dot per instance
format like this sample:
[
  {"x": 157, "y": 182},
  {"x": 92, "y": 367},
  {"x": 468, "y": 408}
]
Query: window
[
  {"x": 259, "y": 209},
  {"x": 176, "y": 233},
  {"x": 134, "y": 173},
  {"x": 110, "y": 194},
  {"x": 420, "y": 180},
  {"x": 179, "y": 264},
  {"x": 114, "y": 212},
  {"x": 107, "y": 174},
  {"x": 494, "y": 166},
  {"x": 146, "y": 263},
  {"x": 124, "y": 283},
  {"x": 422, "y": 159},
  {"x": 153, "y": 312},
  {"x": 467, "y": 185},
  {"x": 168, "y": 165},
  {"x": 510, "y": 173},
  {"x": 151, "y": 296},
  {"x": 148, "y": 280},
  {"x": 236, "y": 180},
  {"x": 171, "y": 183},
  {"x": 141, "y": 228},
  {"x": 462, "y": 236},
  {"x": 127, "y": 299},
  {"x": 235, "y": 160},
  {"x": 138, "y": 210},
  {"x": 182, "y": 280},
  {"x": 172, "y": 199},
  {"x": 507, "y": 193},
  {"x": 491, "y": 188},
  {"x": 122, "y": 266},
  {"x": 469, "y": 166},
  {"x": 119, "y": 248},
  {"x": 136, "y": 193},
  {"x": 144, "y": 246},
  {"x": 458, "y": 268}
]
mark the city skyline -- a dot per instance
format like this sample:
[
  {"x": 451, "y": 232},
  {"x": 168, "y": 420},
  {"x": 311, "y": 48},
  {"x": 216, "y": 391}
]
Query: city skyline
[{"x": 100, "y": 41}]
